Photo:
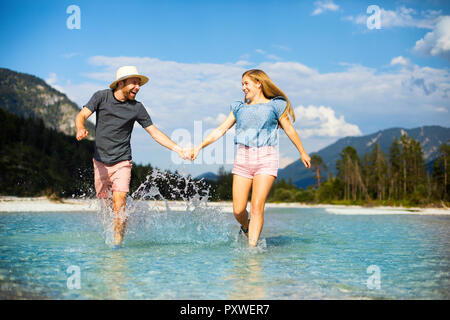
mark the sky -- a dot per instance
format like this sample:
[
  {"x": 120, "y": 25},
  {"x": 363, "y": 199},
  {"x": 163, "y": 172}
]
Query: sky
[{"x": 348, "y": 69}]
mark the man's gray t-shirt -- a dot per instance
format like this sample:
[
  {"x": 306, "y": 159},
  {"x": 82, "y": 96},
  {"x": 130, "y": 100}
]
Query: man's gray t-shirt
[{"x": 114, "y": 124}]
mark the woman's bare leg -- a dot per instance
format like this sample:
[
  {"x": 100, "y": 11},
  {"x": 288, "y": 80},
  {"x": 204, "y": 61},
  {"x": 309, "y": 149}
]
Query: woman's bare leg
[
  {"x": 241, "y": 190},
  {"x": 261, "y": 188}
]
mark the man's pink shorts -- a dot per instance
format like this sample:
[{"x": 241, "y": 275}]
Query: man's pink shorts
[
  {"x": 114, "y": 177},
  {"x": 252, "y": 161}
]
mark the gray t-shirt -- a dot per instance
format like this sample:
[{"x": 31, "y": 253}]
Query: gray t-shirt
[{"x": 114, "y": 124}]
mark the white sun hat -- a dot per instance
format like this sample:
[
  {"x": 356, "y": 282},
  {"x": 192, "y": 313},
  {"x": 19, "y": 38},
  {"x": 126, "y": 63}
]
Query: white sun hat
[{"x": 126, "y": 72}]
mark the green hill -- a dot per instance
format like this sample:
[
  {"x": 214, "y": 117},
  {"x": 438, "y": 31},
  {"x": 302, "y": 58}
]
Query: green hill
[
  {"x": 36, "y": 160},
  {"x": 30, "y": 97}
]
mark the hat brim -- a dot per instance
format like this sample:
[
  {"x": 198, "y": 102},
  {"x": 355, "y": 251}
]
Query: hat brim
[{"x": 143, "y": 79}]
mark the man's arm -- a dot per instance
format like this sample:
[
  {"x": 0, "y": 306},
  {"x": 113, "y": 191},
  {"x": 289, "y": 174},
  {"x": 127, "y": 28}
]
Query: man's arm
[
  {"x": 164, "y": 140},
  {"x": 79, "y": 123}
]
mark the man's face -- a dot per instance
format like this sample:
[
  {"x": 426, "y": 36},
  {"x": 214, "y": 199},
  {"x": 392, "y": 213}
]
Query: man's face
[{"x": 131, "y": 87}]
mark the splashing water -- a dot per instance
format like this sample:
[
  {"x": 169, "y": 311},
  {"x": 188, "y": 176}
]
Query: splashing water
[{"x": 151, "y": 218}]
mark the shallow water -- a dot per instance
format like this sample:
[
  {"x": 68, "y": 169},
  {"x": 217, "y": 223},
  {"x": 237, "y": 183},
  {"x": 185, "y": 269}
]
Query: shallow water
[{"x": 304, "y": 253}]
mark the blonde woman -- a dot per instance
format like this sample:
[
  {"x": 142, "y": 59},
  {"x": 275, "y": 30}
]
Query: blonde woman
[{"x": 265, "y": 108}]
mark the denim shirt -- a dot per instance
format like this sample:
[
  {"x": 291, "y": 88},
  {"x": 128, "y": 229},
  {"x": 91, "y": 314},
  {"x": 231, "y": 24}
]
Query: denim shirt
[{"x": 256, "y": 124}]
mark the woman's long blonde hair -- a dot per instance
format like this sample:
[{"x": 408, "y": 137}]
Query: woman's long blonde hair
[{"x": 269, "y": 89}]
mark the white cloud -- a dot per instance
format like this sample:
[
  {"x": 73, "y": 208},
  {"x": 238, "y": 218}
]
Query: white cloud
[
  {"x": 407, "y": 17},
  {"x": 52, "y": 80},
  {"x": 363, "y": 92},
  {"x": 189, "y": 91},
  {"x": 179, "y": 93},
  {"x": 322, "y": 6},
  {"x": 400, "y": 61},
  {"x": 402, "y": 17},
  {"x": 267, "y": 55},
  {"x": 436, "y": 42},
  {"x": 217, "y": 120},
  {"x": 70, "y": 55},
  {"x": 281, "y": 47},
  {"x": 322, "y": 122},
  {"x": 363, "y": 99}
]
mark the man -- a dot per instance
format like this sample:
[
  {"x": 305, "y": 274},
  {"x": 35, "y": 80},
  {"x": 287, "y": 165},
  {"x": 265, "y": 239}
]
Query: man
[{"x": 116, "y": 112}]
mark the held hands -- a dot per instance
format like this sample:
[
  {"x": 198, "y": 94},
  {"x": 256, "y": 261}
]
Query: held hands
[
  {"x": 184, "y": 154},
  {"x": 188, "y": 153},
  {"x": 192, "y": 153},
  {"x": 195, "y": 152}
]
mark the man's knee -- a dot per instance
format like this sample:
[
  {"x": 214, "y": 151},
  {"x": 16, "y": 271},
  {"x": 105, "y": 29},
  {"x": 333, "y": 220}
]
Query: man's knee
[{"x": 119, "y": 200}]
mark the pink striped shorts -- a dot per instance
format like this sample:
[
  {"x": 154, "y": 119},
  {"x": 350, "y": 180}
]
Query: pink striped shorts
[
  {"x": 250, "y": 161},
  {"x": 112, "y": 177}
]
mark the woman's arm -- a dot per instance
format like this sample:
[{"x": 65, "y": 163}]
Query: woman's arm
[
  {"x": 215, "y": 134},
  {"x": 293, "y": 135}
]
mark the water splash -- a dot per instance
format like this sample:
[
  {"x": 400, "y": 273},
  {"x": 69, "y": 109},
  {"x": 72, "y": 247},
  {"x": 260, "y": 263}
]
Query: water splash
[{"x": 185, "y": 217}]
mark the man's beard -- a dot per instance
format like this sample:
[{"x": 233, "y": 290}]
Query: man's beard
[{"x": 128, "y": 94}]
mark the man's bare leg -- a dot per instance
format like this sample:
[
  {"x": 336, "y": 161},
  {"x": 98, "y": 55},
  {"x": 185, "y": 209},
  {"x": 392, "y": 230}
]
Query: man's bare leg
[{"x": 119, "y": 204}]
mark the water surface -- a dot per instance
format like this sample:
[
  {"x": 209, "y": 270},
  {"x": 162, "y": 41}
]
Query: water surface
[{"x": 304, "y": 253}]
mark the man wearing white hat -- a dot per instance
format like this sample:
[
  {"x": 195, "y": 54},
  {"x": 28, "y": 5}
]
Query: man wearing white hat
[{"x": 116, "y": 112}]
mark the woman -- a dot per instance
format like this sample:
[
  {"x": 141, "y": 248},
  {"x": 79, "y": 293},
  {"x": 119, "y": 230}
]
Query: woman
[{"x": 257, "y": 119}]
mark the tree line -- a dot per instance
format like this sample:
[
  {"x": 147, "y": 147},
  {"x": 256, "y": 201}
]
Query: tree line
[
  {"x": 38, "y": 161},
  {"x": 398, "y": 178}
]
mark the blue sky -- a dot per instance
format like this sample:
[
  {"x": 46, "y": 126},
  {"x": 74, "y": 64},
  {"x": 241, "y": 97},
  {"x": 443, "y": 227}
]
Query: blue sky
[{"x": 342, "y": 78}]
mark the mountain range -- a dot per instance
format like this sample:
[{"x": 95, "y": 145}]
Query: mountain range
[
  {"x": 29, "y": 96},
  {"x": 430, "y": 138}
]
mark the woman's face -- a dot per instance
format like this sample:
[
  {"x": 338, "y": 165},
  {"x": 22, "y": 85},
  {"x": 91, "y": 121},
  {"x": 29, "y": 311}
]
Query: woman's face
[{"x": 250, "y": 87}]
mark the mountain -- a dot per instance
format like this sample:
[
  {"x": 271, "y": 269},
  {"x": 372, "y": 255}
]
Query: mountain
[
  {"x": 210, "y": 176},
  {"x": 430, "y": 138},
  {"x": 30, "y": 97},
  {"x": 37, "y": 161}
]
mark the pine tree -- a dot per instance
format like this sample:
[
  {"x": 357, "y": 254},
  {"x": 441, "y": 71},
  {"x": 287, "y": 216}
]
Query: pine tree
[
  {"x": 441, "y": 170},
  {"x": 349, "y": 170},
  {"x": 395, "y": 169},
  {"x": 377, "y": 169},
  {"x": 317, "y": 164}
]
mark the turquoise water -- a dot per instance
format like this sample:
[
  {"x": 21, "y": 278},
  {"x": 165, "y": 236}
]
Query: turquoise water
[{"x": 303, "y": 254}]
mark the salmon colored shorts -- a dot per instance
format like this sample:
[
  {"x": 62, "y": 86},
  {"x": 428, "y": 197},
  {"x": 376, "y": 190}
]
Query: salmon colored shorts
[
  {"x": 114, "y": 177},
  {"x": 250, "y": 161}
]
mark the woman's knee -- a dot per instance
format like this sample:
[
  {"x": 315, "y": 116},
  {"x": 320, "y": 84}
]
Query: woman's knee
[
  {"x": 257, "y": 209},
  {"x": 239, "y": 210}
]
